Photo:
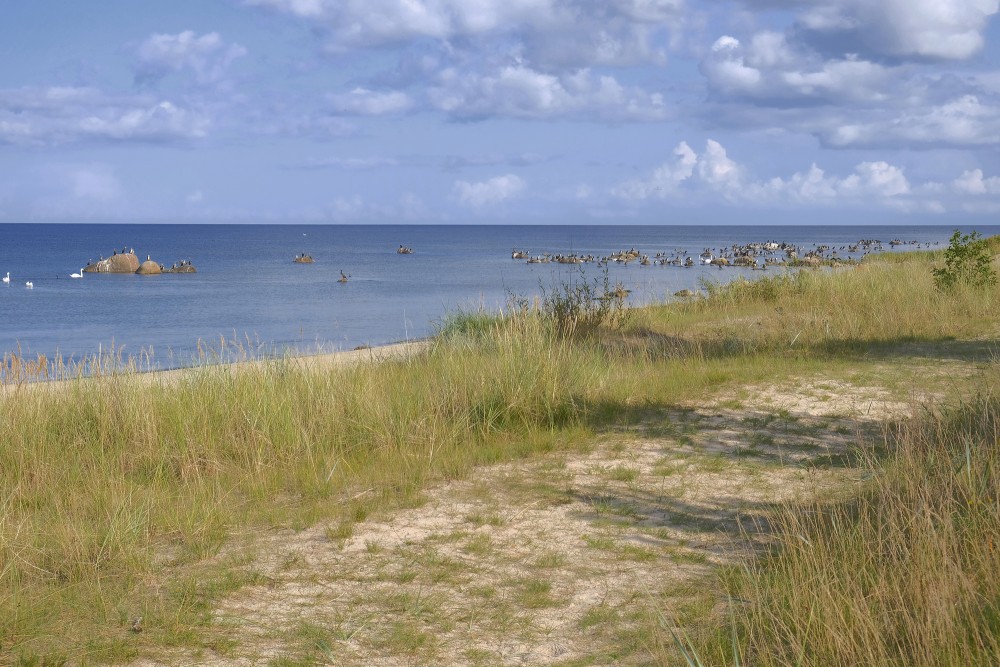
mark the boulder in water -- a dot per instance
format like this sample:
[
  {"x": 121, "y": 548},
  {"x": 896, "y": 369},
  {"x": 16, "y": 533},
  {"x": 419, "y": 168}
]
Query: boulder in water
[
  {"x": 149, "y": 268},
  {"x": 117, "y": 263}
]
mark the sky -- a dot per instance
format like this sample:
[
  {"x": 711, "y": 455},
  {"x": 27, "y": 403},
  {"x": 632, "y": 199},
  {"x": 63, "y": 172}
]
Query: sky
[{"x": 500, "y": 111}]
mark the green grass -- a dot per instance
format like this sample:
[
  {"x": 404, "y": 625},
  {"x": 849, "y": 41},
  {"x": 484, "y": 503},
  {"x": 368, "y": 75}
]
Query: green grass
[
  {"x": 902, "y": 574},
  {"x": 117, "y": 490}
]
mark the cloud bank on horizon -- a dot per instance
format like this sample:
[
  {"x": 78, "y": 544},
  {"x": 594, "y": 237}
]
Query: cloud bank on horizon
[{"x": 546, "y": 111}]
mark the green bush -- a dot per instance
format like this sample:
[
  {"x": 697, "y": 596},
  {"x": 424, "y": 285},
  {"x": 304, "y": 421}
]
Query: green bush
[{"x": 966, "y": 261}]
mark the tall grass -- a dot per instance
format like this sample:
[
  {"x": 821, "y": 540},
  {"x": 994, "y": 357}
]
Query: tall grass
[
  {"x": 106, "y": 479},
  {"x": 831, "y": 310},
  {"x": 114, "y": 488},
  {"x": 904, "y": 574}
]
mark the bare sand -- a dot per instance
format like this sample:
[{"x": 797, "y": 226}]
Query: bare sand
[{"x": 338, "y": 359}]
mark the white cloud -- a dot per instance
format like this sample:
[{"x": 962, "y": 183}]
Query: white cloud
[
  {"x": 713, "y": 173},
  {"x": 965, "y": 121},
  {"x": 880, "y": 179},
  {"x": 207, "y": 57},
  {"x": 159, "y": 121},
  {"x": 557, "y": 33},
  {"x": 768, "y": 69},
  {"x": 522, "y": 92},
  {"x": 493, "y": 191},
  {"x": 665, "y": 179},
  {"x": 716, "y": 169},
  {"x": 726, "y": 68},
  {"x": 364, "y": 102},
  {"x": 940, "y": 29},
  {"x": 359, "y": 23},
  {"x": 855, "y": 74},
  {"x": 972, "y": 183},
  {"x": 46, "y": 116}
]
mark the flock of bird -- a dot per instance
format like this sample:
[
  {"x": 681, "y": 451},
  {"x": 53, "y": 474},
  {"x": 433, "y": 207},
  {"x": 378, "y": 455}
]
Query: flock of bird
[
  {"x": 753, "y": 255},
  {"x": 680, "y": 258},
  {"x": 30, "y": 285}
]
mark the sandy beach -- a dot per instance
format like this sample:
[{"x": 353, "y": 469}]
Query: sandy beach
[{"x": 327, "y": 360}]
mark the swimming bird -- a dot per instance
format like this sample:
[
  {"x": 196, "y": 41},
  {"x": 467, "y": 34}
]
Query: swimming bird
[
  {"x": 6, "y": 278},
  {"x": 77, "y": 275},
  {"x": 29, "y": 285}
]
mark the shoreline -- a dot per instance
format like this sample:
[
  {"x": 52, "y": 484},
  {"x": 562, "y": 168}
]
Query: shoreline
[
  {"x": 315, "y": 361},
  {"x": 337, "y": 359}
]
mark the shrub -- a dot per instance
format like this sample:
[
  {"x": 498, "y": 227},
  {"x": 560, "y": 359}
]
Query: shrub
[
  {"x": 966, "y": 261},
  {"x": 579, "y": 307}
]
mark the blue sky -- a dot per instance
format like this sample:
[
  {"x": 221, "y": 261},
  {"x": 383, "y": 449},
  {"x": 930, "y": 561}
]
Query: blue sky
[{"x": 500, "y": 111}]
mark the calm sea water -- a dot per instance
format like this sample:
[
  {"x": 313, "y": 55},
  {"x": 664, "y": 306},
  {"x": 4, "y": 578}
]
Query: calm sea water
[{"x": 248, "y": 287}]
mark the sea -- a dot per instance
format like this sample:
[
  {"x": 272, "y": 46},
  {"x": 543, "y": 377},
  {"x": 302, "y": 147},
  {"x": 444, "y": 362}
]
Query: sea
[{"x": 248, "y": 297}]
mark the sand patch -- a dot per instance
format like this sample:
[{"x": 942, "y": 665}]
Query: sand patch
[{"x": 558, "y": 558}]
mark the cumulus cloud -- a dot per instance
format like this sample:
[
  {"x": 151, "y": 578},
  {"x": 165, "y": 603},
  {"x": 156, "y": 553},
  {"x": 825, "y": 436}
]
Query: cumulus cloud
[
  {"x": 713, "y": 173},
  {"x": 364, "y": 102},
  {"x": 46, "y": 116},
  {"x": 768, "y": 68},
  {"x": 163, "y": 120},
  {"x": 858, "y": 74},
  {"x": 207, "y": 57},
  {"x": 522, "y": 92},
  {"x": 492, "y": 191},
  {"x": 971, "y": 182},
  {"x": 557, "y": 33},
  {"x": 932, "y": 29},
  {"x": 514, "y": 58},
  {"x": 965, "y": 121},
  {"x": 871, "y": 182}
]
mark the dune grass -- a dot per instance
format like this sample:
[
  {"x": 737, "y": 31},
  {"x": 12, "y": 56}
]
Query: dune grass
[
  {"x": 120, "y": 493},
  {"x": 107, "y": 480},
  {"x": 886, "y": 299},
  {"x": 902, "y": 574}
]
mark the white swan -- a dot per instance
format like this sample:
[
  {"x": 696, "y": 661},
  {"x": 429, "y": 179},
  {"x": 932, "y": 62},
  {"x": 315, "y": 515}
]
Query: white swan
[
  {"x": 29, "y": 285},
  {"x": 77, "y": 275},
  {"x": 6, "y": 278}
]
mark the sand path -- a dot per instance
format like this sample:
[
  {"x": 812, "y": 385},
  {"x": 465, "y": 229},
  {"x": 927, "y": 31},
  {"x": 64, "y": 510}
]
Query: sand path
[{"x": 566, "y": 558}]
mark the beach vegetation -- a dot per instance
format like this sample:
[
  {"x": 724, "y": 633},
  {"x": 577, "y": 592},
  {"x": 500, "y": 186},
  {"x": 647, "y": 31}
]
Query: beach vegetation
[
  {"x": 901, "y": 573},
  {"x": 579, "y": 305},
  {"x": 967, "y": 260},
  {"x": 132, "y": 503}
]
